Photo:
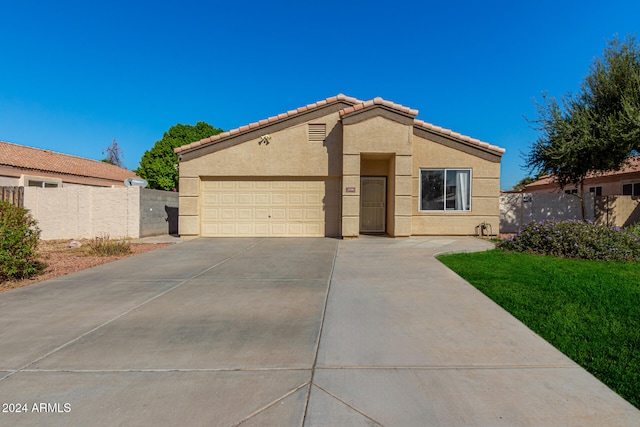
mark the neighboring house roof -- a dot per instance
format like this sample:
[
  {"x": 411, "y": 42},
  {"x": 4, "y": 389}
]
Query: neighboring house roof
[
  {"x": 356, "y": 105},
  {"x": 631, "y": 166},
  {"x": 34, "y": 161}
]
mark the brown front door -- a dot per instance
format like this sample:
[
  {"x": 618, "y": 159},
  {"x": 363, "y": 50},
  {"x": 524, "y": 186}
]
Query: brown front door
[{"x": 373, "y": 209}]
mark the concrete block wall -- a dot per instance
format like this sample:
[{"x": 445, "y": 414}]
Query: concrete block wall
[
  {"x": 78, "y": 212},
  {"x": 519, "y": 209},
  {"x": 158, "y": 212}
]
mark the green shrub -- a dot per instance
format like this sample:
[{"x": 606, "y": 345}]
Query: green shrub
[
  {"x": 635, "y": 229},
  {"x": 103, "y": 246},
  {"x": 19, "y": 237},
  {"x": 573, "y": 239}
]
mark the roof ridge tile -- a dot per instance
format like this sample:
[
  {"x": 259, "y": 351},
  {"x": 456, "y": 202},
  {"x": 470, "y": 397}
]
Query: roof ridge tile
[{"x": 379, "y": 101}]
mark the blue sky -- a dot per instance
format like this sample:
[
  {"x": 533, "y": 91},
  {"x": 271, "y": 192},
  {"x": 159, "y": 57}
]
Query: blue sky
[{"x": 75, "y": 75}]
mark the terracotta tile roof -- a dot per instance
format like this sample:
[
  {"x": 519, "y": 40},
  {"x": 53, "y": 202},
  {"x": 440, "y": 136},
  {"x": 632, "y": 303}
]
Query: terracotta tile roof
[
  {"x": 35, "y": 159},
  {"x": 356, "y": 106},
  {"x": 290, "y": 113},
  {"x": 632, "y": 165},
  {"x": 378, "y": 101},
  {"x": 456, "y": 135}
]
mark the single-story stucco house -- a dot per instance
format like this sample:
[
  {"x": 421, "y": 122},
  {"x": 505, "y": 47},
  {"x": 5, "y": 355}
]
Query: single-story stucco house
[
  {"x": 33, "y": 167},
  {"x": 339, "y": 167}
]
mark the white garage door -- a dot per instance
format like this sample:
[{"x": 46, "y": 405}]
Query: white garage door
[{"x": 254, "y": 207}]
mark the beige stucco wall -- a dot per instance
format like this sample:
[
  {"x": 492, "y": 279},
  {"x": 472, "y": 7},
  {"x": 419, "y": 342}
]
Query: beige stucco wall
[
  {"x": 8, "y": 181},
  {"x": 288, "y": 154},
  {"x": 620, "y": 211},
  {"x": 362, "y": 144},
  {"x": 85, "y": 212},
  {"x": 377, "y": 146},
  {"x": 485, "y": 190}
]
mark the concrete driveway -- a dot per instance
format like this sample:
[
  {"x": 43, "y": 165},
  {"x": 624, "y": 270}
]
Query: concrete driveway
[{"x": 284, "y": 332}]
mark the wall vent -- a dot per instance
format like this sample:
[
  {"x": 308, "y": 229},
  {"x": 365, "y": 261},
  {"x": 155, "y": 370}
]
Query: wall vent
[{"x": 317, "y": 131}]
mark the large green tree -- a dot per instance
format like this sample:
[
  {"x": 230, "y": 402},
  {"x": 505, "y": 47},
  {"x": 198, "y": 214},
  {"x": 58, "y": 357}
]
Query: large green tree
[
  {"x": 159, "y": 166},
  {"x": 598, "y": 128}
]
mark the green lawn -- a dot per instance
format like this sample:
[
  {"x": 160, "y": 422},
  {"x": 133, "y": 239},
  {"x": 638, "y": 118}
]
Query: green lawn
[{"x": 589, "y": 310}]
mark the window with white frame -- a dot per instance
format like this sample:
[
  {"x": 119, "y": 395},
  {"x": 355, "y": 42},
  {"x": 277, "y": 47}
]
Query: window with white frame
[{"x": 445, "y": 189}]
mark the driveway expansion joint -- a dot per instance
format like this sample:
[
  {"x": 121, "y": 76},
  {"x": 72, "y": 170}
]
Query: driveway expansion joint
[
  {"x": 353, "y": 408},
  {"x": 317, "y": 349},
  {"x": 87, "y": 333},
  {"x": 430, "y": 348},
  {"x": 447, "y": 367},
  {"x": 269, "y": 405},
  {"x": 125, "y": 371}
]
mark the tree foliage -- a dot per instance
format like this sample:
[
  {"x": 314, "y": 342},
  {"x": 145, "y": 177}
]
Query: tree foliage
[
  {"x": 597, "y": 129},
  {"x": 19, "y": 238},
  {"x": 114, "y": 154},
  {"x": 159, "y": 166},
  {"x": 524, "y": 182}
]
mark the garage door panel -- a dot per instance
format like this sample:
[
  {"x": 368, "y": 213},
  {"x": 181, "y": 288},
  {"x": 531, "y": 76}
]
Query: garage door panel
[
  {"x": 245, "y": 199},
  {"x": 313, "y": 199},
  {"x": 260, "y": 229},
  {"x": 231, "y": 185},
  {"x": 312, "y": 214},
  {"x": 210, "y": 215},
  {"x": 313, "y": 229},
  {"x": 261, "y": 198},
  {"x": 278, "y": 199},
  {"x": 278, "y": 214},
  {"x": 245, "y": 214},
  {"x": 262, "y": 213},
  {"x": 229, "y": 199},
  {"x": 296, "y": 214},
  {"x": 210, "y": 199},
  {"x": 210, "y": 185},
  {"x": 296, "y": 198},
  {"x": 244, "y": 230},
  {"x": 210, "y": 229},
  {"x": 270, "y": 207},
  {"x": 228, "y": 214}
]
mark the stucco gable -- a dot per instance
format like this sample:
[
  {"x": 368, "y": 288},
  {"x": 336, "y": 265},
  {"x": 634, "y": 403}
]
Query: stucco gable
[
  {"x": 351, "y": 110},
  {"x": 265, "y": 126}
]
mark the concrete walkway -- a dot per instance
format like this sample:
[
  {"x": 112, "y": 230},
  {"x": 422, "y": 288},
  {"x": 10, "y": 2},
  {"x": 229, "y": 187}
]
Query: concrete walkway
[{"x": 284, "y": 332}]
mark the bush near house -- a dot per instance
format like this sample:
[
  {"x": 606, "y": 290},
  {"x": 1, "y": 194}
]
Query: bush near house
[
  {"x": 574, "y": 239},
  {"x": 104, "y": 246},
  {"x": 19, "y": 237}
]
